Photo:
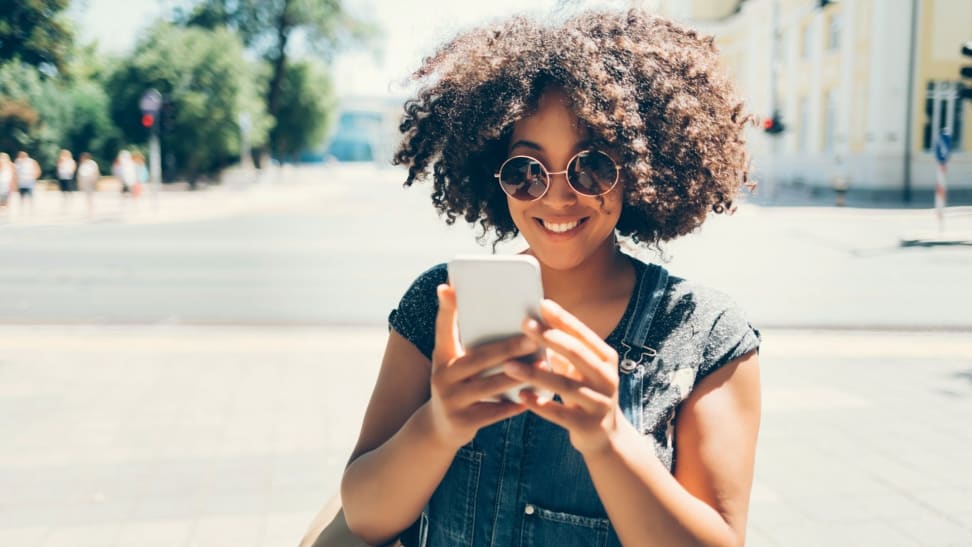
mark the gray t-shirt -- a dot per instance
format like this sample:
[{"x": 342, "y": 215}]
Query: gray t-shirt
[{"x": 695, "y": 331}]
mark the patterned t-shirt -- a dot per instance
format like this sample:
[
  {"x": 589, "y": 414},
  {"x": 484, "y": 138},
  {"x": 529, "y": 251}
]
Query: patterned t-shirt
[{"x": 695, "y": 331}]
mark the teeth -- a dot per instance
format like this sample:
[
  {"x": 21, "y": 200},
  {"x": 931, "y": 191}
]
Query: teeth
[{"x": 560, "y": 227}]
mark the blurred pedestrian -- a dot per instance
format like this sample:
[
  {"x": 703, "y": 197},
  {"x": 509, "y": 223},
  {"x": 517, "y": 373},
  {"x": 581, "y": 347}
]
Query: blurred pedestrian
[
  {"x": 8, "y": 179},
  {"x": 125, "y": 171},
  {"x": 87, "y": 179},
  {"x": 28, "y": 171},
  {"x": 65, "y": 168},
  {"x": 141, "y": 174}
]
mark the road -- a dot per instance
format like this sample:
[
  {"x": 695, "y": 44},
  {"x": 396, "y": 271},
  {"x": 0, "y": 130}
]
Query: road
[{"x": 339, "y": 246}]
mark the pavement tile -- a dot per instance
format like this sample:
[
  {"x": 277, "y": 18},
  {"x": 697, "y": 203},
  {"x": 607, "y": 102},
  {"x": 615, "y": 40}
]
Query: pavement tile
[
  {"x": 155, "y": 533},
  {"x": 168, "y": 508},
  {"x": 934, "y": 531},
  {"x": 229, "y": 531},
  {"x": 846, "y": 508},
  {"x": 24, "y": 537},
  {"x": 849, "y": 534},
  {"x": 100, "y": 535},
  {"x": 953, "y": 503}
]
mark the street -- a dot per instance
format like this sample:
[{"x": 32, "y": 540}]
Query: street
[
  {"x": 197, "y": 376},
  {"x": 339, "y": 246}
]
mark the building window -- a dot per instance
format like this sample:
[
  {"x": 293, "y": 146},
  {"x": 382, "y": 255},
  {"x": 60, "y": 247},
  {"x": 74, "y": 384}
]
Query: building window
[
  {"x": 830, "y": 120},
  {"x": 804, "y": 129},
  {"x": 943, "y": 111},
  {"x": 833, "y": 34}
]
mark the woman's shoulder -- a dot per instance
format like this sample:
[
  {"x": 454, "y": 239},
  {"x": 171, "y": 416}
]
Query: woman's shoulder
[
  {"x": 709, "y": 320},
  {"x": 414, "y": 317}
]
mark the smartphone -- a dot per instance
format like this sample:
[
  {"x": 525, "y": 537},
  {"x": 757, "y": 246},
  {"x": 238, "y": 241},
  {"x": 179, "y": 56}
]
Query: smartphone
[{"x": 494, "y": 294}]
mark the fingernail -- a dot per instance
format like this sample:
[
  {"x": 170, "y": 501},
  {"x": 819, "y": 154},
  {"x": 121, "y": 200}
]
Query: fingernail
[
  {"x": 528, "y": 345},
  {"x": 532, "y": 325},
  {"x": 513, "y": 368}
]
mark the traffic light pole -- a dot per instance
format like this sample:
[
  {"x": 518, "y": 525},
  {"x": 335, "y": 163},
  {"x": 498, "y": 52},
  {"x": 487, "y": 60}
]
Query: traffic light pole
[{"x": 155, "y": 163}]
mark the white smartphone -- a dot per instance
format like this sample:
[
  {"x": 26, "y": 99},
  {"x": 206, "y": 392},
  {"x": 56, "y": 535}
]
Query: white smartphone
[{"x": 494, "y": 294}]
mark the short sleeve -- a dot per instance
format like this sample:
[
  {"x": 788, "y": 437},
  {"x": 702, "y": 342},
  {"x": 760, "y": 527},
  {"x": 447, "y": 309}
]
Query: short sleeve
[
  {"x": 414, "y": 318},
  {"x": 731, "y": 337}
]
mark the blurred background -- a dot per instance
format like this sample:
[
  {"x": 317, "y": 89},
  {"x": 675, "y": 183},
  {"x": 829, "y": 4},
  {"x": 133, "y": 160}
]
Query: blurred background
[{"x": 190, "y": 328}]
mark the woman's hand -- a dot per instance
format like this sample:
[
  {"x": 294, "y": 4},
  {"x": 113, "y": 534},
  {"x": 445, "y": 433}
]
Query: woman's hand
[
  {"x": 458, "y": 389},
  {"x": 585, "y": 375}
]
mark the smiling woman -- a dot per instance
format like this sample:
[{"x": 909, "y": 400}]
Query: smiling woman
[{"x": 570, "y": 134}]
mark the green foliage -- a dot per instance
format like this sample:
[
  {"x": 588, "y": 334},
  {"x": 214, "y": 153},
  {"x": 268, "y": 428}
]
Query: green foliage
[
  {"x": 42, "y": 115},
  {"x": 306, "y": 107},
  {"x": 266, "y": 27},
  {"x": 206, "y": 82},
  {"x": 35, "y": 32}
]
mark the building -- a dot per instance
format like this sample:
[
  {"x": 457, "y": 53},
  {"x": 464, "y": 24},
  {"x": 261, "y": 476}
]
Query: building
[{"x": 862, "y": 88}]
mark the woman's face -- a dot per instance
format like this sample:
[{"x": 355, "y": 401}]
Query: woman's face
[{"x": 553, "y": 135}]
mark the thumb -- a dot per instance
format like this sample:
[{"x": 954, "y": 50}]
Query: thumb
[{"x": 447, "y": 345}]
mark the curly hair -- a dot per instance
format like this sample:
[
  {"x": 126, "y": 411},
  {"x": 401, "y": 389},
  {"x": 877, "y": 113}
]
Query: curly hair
[{"x": 648, "y": 89}]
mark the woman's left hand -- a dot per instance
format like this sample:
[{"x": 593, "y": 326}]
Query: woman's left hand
[{"x": 585, "y": 375}]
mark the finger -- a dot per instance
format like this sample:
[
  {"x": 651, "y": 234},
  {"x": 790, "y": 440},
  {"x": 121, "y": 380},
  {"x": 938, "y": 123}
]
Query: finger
[
  {"x": 447, "y": 346},
  {"x": 571, "y": 391},
  {"x": 483, "y": 414},
  {"x": 590, "y": 365},
  {"x": 559, "y": 318},
  {"x": 549, "y": 409},
  {"x": 480, "y": 389},
  {"x": 487, "y": 356}
]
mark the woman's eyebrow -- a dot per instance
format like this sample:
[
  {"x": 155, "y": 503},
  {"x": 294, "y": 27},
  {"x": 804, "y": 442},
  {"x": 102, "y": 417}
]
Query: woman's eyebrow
[{"x": 530, "y": 144}]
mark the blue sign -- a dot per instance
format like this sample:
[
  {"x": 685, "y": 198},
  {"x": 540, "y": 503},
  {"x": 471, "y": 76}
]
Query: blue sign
[{"x": 943, "y": 147}]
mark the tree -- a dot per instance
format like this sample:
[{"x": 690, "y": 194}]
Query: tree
[
  {"x": 302, "y": 121},
  {"x": 206, "y": 83},
  {"x": 267, "y": 27},
  {"x": 35, "y": 32}
]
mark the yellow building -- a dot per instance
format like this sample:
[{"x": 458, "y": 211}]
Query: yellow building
[{"x": 862, "y": 86}]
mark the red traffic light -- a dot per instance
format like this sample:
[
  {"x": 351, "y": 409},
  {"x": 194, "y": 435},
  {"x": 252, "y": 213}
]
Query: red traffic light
[
  {"x": 768, "y": 124},
  {"x": 148, "y": 120}
]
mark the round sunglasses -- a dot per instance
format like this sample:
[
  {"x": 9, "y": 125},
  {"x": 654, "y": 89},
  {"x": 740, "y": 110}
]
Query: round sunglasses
[{"x": 590, "y": 173}]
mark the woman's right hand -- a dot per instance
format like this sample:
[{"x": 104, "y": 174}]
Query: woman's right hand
[{"x": 458, "y": 389}]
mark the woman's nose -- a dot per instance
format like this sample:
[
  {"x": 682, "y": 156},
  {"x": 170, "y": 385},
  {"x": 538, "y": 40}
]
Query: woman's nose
[{"x": 560, "y": 192}]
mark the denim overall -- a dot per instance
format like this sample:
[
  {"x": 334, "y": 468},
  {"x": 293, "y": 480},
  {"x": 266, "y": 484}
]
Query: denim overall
[{"x": 521, "y": 483}]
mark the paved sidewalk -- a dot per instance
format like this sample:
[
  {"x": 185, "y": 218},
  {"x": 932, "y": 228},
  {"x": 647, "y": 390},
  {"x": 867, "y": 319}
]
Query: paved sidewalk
[
  {"x": 278, "y": 189},
  {"x": 209, "y": 436}
]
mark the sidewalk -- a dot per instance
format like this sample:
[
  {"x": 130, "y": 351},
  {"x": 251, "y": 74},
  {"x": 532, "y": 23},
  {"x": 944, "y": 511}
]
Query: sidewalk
[
  {"x": 172, "y": 203},
  {"x": 209, "y": 436}
]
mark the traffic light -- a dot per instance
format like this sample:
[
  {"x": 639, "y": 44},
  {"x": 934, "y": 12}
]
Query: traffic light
[
  {"x": 148, "y": 120},
  {"x": 774, "y": 124},
  {"x": 965, "y": 91}
]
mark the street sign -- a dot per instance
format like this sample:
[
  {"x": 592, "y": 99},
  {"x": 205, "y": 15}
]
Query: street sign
[
  {"x": 943, "y": 147},
  {"x": 151, "y": 102}
]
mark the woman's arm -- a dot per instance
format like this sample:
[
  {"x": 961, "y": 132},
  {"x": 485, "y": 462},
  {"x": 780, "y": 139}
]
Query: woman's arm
[
  {"x": 395, "y": 466},
  {"x": 420, "y": 414},
  {"x": 706, "y": 502}
]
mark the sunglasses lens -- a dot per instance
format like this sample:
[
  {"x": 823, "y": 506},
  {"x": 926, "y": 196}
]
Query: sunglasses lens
[
  {"x": 523, "y": 179},
  {"x": 592, "y": 173}
]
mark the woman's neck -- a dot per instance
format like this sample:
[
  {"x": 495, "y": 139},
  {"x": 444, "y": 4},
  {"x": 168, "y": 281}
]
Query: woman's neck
[{"x": 604, "y": 274}]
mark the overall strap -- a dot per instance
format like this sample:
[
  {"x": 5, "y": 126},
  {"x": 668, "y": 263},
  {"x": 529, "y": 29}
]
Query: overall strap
[{"x": 654, "y": 282}]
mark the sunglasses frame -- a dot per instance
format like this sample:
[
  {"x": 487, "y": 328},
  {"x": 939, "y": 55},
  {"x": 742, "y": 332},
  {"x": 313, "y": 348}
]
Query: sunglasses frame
[{"x": 549, "y": 173}]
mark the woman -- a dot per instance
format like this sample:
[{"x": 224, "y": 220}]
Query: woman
[
  {"x": 8, "y": 179},
  {"x": 88, "y": 175},
  {"x": 571, "y": 135},
  {"x": 65, "y": 168}
]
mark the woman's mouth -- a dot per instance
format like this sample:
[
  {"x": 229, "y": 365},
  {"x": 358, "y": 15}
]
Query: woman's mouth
[{"x": 561, "y": 227}]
